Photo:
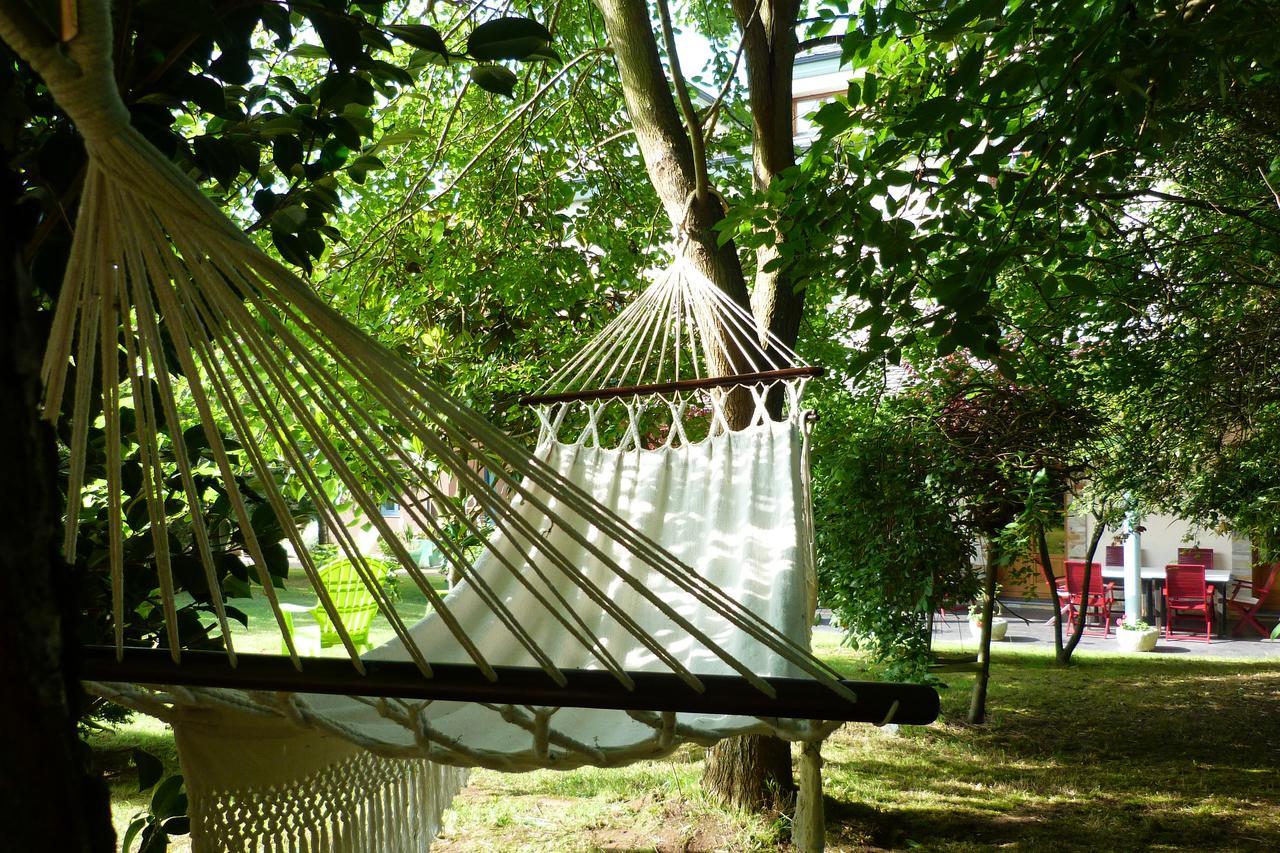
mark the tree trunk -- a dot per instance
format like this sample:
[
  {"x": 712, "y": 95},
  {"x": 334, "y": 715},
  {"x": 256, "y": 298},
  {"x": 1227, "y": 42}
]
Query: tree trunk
[
  {"x": 1063, "y": 657},
  {"x": 769, "y": 51},
  {"x": 1046, "y": 568},
  {"x": 664, "y": 143},
  {"x": 752, "y": 772},
  {"x": 47, "y": 799},
  {"x": 978, "y": 702}
]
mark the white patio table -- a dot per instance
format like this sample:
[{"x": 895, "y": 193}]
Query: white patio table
[{"x": 1153, "y": 576}]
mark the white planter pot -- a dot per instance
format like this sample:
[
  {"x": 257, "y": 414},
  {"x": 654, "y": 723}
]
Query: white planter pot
[
  {"x": 1136, "y": 641},
  {"x": 999, "y": 628}
]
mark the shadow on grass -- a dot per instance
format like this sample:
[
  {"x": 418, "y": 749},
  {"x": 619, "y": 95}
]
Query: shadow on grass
[{"x": 1109, "y": 754}]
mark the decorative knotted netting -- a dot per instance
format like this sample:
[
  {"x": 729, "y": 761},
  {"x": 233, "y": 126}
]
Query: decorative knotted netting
[{"x": 681, "y": 548}]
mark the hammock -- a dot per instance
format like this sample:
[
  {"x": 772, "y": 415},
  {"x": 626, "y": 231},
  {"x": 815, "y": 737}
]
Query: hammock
[
  {"x": 667, "y": 538},
  {"x": 729, "y": 504}
]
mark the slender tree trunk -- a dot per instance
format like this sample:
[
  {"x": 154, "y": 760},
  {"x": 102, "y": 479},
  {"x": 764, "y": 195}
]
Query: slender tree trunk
[
  {"x": 752, "y": 772},
  {"x": 978, "y": 701},
  {"x": 1046, "y": 568},
  {"x": 47, "y": 799},
  {"x": 769, "y": 53},
  {"x": 664, "y": 143},
  {"x": 1077, "y": 628}
]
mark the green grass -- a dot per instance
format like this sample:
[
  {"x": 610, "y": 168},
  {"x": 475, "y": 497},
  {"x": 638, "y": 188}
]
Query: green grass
[{"x": 1114, "y": 753}]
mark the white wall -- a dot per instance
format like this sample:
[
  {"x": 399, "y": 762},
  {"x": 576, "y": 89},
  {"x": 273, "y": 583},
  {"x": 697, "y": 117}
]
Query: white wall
[{"x": 1162, "y": 537}]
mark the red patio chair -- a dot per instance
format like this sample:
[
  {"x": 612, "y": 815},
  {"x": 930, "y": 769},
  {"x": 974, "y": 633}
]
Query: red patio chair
[
  {"x": 1196, "y": 557},
  {"x": 1185, "y": 591},
  {"x": 1101, "y": 597},
  {"x": 1249, "y": 610}
]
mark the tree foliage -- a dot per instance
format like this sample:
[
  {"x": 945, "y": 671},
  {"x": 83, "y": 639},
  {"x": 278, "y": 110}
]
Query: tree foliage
[
  {"x": 1083, "y": 195},
  {"x": 989, "y": 153},
  {"x": 892, "y": 543},
  {"x": 278, "y": 111}
]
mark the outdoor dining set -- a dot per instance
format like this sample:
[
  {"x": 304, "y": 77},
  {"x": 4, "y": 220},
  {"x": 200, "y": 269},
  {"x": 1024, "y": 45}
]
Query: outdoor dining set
[{"x": 1190, "y": 591}]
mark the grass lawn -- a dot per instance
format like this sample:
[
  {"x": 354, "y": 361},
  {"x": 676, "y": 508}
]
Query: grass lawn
[{"x": 1115, "y": 753}]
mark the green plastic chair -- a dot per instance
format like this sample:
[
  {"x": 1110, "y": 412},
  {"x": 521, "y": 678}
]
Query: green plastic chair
[
  {"x": 429, "y": 556},
  {"x": 352, "y": 600}
]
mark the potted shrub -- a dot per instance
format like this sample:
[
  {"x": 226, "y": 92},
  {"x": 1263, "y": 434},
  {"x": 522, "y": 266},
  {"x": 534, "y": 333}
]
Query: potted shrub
[
  {"x": 999, "y": 626},
  {"x": 1136, "y": 636}
]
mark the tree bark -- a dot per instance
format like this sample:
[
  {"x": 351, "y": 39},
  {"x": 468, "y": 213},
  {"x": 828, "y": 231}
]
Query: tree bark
[
  {"x": 47, "y": 799},
  {"x": 1077, "y": 628},
  {"x": 752, "y": 772},
  {"x": 664, "y": 143},
  {"x": 1046, "y": 568},
  {"x": 769, "y": 53},
  {"x": 978, "y": 701}
]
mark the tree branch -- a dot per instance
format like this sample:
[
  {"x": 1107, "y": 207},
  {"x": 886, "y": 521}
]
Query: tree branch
[
  {"x": 697, "y": 144},
  {"x": 1198, "y": 203},
  {"x": 821, "y": 41}
]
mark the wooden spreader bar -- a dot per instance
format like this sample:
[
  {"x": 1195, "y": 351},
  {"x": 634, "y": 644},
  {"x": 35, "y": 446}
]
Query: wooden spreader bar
[
  {"x": 668, "y": 387},
  {"x": 798, "y": 698}
]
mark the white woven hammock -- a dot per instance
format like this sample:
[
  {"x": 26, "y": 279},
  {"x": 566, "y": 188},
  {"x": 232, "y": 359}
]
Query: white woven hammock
[
  {"x": 682, "y": 546},
  {"x": 729, "y": 504}
]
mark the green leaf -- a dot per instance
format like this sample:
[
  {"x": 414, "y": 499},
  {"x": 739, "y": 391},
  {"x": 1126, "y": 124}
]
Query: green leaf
[
  {"x": 153, "y": 839},
  {"x": 291, "y": 249},
  {"x": 420, "y": 36},
  {"x": 206, "y": 92},
  {"x": 388, "y": 73},
  {"x": 400, "y": 137},
  {"x": 265, "y": 201},
  {"x": 237, "y": 614},
  {"x": 230, "y": 564},
  {"x": 507, "y": 38},
  {"x": 869, "y": 85},
  {"x": 168, "y": 799},
  {"x": 347, "y": 133},
  {"x": 131, "y": 478},
  {"x": 340, "y": 35},
  {"x": 180, "y": 825},
  {"x": 333, "y": 155},
  {"x": 545, "y": 54},
  {"x": 234, "y": 587},
  {"x": 135, "y": 826},
  {"x": 361, "y": 166},
  {"x": 289, "y": 219},
  {"x": 495, "y": 79},
  {"x": 309, "y": 51},
  {"x": 150, "y": 768},
  {"x": 277, "y": 560},
  {"x": 286, "y": 152},
  {"x": 218, "y": 158},
  {"x": 137, "y": 514}
]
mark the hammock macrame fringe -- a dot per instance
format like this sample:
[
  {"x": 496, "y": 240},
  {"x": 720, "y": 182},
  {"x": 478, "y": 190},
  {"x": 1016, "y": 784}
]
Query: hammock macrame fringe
[{"x": 363, "y": 804}]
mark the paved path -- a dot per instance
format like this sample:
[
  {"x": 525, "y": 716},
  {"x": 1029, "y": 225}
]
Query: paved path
[{"x": 1035, "y": 633}]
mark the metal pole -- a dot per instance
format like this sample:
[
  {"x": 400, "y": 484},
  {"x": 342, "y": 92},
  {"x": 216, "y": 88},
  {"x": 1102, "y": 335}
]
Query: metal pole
[{"x": 1132, "y": 568}]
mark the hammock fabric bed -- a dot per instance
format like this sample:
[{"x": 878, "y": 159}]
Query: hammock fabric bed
[{"x": 659, "y": 530}]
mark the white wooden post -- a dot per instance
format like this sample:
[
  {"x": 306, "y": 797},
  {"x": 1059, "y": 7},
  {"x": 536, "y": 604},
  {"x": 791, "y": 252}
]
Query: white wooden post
[{"x": 1132, "y": 568}]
